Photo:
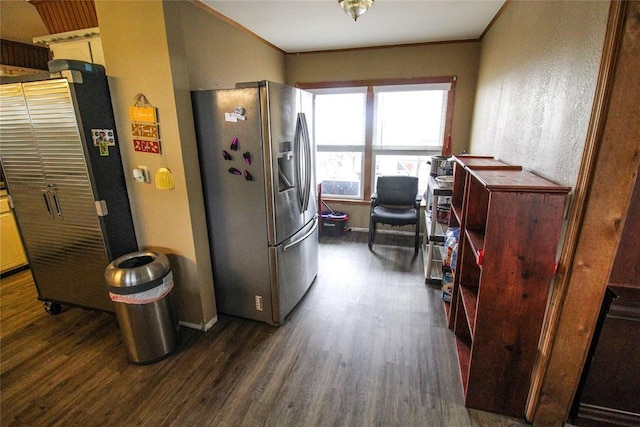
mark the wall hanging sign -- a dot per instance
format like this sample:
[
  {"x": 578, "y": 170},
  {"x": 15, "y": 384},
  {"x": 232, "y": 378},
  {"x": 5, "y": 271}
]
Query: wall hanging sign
[
  {"x": 146, "y": 146},
  {"x": 145, "y": 128},
  {"x": 142, "y": 111}
]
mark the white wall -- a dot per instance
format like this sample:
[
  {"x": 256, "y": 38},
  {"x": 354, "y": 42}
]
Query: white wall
[
  {"x": 536, "y": 83},
  {"x": 157, "y": 48},
  {"x": 219, "y": 55},
  {"x": 429, "y": 60},
  {"x": 398, "y": 62}
]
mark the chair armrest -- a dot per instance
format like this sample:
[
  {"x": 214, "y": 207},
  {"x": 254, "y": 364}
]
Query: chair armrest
[
  {"x": 418, "y": 200},
  {"x": 374, "y": 199}
]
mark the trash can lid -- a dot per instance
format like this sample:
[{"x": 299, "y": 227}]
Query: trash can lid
[{"x": 137, "y": 271}]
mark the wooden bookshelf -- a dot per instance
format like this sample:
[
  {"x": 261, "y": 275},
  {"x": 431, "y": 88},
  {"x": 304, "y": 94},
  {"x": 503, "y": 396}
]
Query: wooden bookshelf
[
  {"x": 462, "y": 166},
  {"x": 510, "y": 227}
]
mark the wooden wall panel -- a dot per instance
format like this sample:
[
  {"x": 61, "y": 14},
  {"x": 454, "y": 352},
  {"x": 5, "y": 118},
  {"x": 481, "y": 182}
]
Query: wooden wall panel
[{"x": 60, "y": 16}]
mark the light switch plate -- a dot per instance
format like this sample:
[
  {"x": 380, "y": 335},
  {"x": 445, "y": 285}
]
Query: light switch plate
[{"x": 145, "y": 174}]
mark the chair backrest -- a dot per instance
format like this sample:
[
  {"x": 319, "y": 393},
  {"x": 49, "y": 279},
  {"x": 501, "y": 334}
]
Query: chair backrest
[{"x": 397, "y": 190}]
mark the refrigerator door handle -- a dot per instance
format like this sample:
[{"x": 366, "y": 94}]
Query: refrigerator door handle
[
  {"x": 303, "y": 167},
  {"x": 298, "y": 161},
  {"x": 309, "y": 168},
  {"x": 303, "y": 238}
]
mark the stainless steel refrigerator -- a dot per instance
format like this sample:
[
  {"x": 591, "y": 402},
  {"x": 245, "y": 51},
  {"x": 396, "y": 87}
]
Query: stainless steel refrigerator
[{"x": 257, "y": 165}]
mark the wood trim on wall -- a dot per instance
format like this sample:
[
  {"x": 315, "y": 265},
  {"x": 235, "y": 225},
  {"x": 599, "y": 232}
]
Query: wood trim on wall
[
  {"x": 367, "y": 187},
  {"x": 495, "y": 18},
  {"x": 448, "y": 123},
  {"x": 389, "y": 46},
  {"x": 367, "y": 184},
  {"x": 389, "y": 82},
  {"x": 378, "y": 82},
  {"x": 612, "y": 155}
]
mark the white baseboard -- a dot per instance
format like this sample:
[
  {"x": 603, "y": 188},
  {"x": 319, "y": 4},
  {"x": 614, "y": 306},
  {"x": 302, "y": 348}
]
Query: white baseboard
[{"x": 200, "y": 326}]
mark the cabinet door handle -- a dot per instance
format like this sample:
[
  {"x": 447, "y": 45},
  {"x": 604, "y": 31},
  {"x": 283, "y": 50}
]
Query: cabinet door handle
[
  {"x": 45, "y": 196},
  {"x": 56, "y": 203}
]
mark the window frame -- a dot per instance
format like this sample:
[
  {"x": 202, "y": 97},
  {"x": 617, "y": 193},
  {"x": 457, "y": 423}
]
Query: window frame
[{"x": 369, "y": 152}]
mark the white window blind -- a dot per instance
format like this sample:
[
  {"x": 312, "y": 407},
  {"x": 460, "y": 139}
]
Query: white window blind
[
  {"x": 410, "y": 117},
  {"x": 340, "y": 127}
]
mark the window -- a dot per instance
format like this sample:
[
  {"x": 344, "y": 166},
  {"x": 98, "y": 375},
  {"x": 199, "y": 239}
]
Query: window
[
  {"x": 411, "y": 117},
  {"x": 340, "y": 129},
  {"x": 378, "y": 128}
]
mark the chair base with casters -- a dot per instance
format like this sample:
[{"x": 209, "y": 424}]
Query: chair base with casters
[{"x": 396, "y": 202}]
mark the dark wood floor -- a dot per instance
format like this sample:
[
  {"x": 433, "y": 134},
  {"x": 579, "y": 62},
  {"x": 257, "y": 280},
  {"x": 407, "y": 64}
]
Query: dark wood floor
[{"x": 366, "y": 346}]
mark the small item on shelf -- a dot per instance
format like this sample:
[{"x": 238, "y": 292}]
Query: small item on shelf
[
  {"x": 445, "y": 181},
  {"x": 450, "y": 239},
  {"x": 454, "y": 256},
  {"x": 440, "y": 165},
  {"x": 447, "y": 286},
  {"x": 443, "y": 212},
  {"x": 436, "y": 221}
]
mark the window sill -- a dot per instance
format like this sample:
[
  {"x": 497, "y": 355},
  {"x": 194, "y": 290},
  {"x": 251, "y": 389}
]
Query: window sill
[
  {"x": 346, "y": 201},
  {"x": 358, "y": 202}
]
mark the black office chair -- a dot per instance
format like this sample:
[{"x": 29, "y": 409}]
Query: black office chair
[{"x": 396, "y": 202}]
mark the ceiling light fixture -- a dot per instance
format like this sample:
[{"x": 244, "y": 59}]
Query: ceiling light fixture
[{"x": 355, "y": 8}]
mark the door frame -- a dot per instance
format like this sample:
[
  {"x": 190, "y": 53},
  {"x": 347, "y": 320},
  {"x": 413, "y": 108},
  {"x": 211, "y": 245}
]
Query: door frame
[{"x": 602, "y": 196}]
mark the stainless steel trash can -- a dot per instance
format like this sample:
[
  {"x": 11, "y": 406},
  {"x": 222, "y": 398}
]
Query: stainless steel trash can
[{"x": 140, "y": 285}]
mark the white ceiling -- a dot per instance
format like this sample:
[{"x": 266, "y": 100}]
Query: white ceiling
[{"x": 310, "y": 25}]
